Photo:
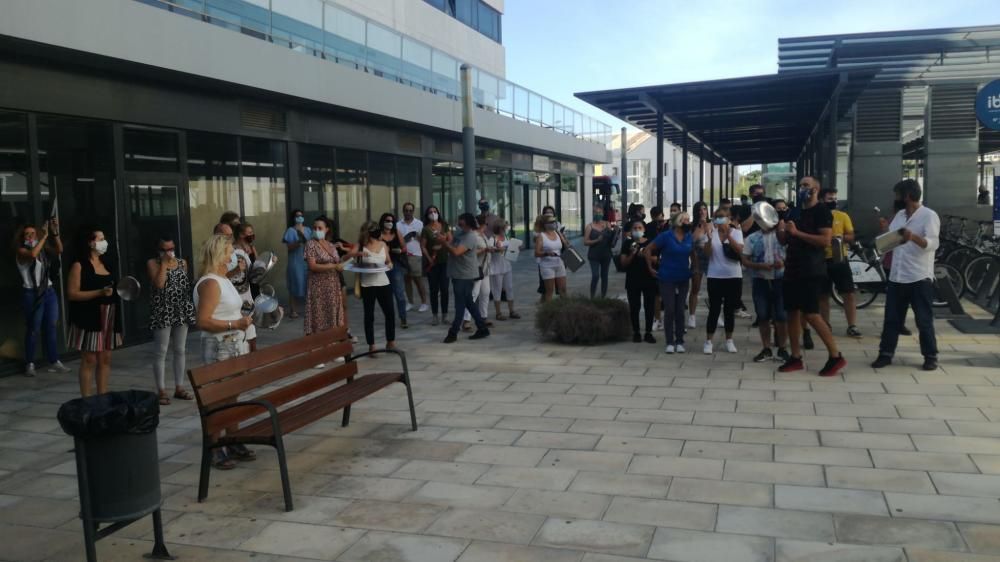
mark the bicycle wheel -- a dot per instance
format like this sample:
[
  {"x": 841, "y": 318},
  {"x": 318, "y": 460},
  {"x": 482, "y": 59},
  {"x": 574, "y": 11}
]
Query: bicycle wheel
[
  {"x": 979, "y": 272},
  {"x": 960, "y": 258},
  {"x": 952, "y": 275},
  {"x": 869, "y": 282}
]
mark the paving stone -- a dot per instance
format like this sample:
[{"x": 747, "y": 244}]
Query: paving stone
[
  {"x": 804, "y": 551},
  {"x": 945, "y": 508},
  {"x": 879, "y": 479},
  {"x": 529, "y": 424},
  {"x": 775, "y": 436},
  {"x": 524, "y": 477},
  {"x": 586, "y": 460},
  {"x": 857, "y": 410},
  {"x": 696, "y": 546},
  {"x": 922, "y": 555},
  {"x": 299, "y": 539},
  {"x": 648, "y": 399},
  {"x": 363, "y": 487},
  {"x": 775, "y": 523},
  {"x": 625, "y": 429},
  {"x": 423, "y": 450},
  {"x": 787, "y": 421},
  {"x": 808, "y": 396},
  {"x": 831, "y": 500},
  {"x": 988, "y": 464},
  {"x": 479, "y": 419},
  {"x": 40, "y": 512},
  {"x": 213, "y": 530},
  {"x": 739, "y": 451},
  {"x": 983, "y": 539},
  {"x": 308, "y": 509},
  {"x": 734, "y": 420},
  {"x": 31, "y": 544},
  {"x": 975, "y": 428},
  {"x": 499, "y": 526},
  {"x": 688, "y": 405},
  {"x": 944, "y": 462},
  {"x": 460, "y": 495},
  {"x": 940, "y": 413},
  {"x": 559, "y": 504},
  {"x": 621, "y": 484},
  {"x": 582, "y": 412},
  {"x": 482, "y": 436},
  {"x": 822, "y": 455},
  {"x": 865, "y": 440},
  {"x": 754, "y": 407},
  {"x": 547, "y": 440},
  {"x": 924, "y": 427},
  {"x": 482, "y": 551},
  {"x": 362, "y": 466},
  {"x": 595, "y": 536},
  {"x": 867, "y": 529},
  {"x": 674, "y": 466},
  {"x": 377, "y": 545},
  {"x": 462, "y": 472},
  {"x": 713, "y": 491},
  {"x": 689, "y": 432},
  {"x": 774, "y": 473},
  {"x": 955, "y": 484},
  {"x": 666, "y": 447},
  {"x": 655, "y": 416},
  {"x": 492, "y": 454},
  {"x": 662, "y": 513},
  {"x": 939, "y": 443},
  {"x": 388, "y": 516},
  {"x": 901, "y": 400}
]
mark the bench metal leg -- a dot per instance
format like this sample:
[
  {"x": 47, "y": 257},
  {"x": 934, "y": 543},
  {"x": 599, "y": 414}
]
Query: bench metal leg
[
  {"x": 286, "y": 486},
  {"x": 206, "y": 471},
  {"x": 347, "y": 416},
  {"x": 413, "y": 411}
]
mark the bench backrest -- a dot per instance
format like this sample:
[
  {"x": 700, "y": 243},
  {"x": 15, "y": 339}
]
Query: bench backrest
[{"x": 223, "y": 382}]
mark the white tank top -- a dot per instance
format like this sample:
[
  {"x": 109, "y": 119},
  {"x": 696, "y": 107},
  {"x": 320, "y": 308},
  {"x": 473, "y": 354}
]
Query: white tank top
[
  {"x": 230, "y": 302},
  {"x": 551, "y": 247},
  {"x": 374, "y": 279},
  {"x": 34, "y": 268}
]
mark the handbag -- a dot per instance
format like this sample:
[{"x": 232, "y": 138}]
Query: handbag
[
  {"x": 572, "y": 259},
  {"x": 729, "y": 252}
]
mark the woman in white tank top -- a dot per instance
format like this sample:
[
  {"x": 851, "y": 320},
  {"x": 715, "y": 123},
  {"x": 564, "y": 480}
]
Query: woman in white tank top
[{"x": 375, "y": 286}]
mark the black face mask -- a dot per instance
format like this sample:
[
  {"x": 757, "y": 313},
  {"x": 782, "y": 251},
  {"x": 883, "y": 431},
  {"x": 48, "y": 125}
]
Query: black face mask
[
  {"x": 757, "y": 198},
  {"x": 484, "y": 208},
  {"x": 782, "y": 215},
  {"x": 831, "y": 205},
  {"x": 898, "y": 204}
]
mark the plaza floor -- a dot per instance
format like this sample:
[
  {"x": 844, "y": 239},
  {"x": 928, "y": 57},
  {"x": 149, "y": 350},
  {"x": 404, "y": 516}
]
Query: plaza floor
[{"x": 536, "y": 451}]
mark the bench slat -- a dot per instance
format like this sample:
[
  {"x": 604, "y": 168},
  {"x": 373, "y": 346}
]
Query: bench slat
[
  {"x": 256, "y": 377},
  {"x": 280, "y": 396},
  {"x": 211, "y": 372}
]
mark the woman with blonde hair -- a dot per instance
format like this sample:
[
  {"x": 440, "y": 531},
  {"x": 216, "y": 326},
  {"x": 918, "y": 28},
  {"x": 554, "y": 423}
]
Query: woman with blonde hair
[{"x": 222, "y": 323}]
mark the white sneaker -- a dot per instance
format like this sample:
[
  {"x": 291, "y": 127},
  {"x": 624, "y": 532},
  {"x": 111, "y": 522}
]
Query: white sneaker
[
  {"x": 657, "y": 326},
  {"x": 409, "y": 307},
  {"x": 679, "y": 348},
  {"x": 58, "y": 367},
  {"x": 730, "y": 346},
  {"x": 707, "y": 350},
  {"x": 29, "y": 370},
  {"x": 669, "y": 350},
  {"x": 691, "y": 321},
  {"x": 423, "y": 308},
  {"x": 742, "y": 314}
]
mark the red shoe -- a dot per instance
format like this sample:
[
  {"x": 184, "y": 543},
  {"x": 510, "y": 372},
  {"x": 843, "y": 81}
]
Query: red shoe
[
  {"x": 793, "y": 364},
  {"x": 833, "y": 366}
]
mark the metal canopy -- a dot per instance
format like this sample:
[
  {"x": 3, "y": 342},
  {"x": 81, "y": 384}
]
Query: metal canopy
[
  {"x": 906, "y": 58},
  {"x": 746, "y": 120}
]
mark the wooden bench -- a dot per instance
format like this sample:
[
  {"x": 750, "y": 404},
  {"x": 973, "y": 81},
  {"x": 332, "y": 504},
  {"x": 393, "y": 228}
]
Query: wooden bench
[{"x": 220, "y": 386}]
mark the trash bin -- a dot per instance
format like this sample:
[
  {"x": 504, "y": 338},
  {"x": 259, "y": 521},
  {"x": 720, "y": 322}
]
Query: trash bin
[{"x": 117, "y": 462}]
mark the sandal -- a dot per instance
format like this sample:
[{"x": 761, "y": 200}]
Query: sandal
[
  {"x": 241, "y": 453},
  {"x": 293, "y": 315},
  {"x": 182, "y": 394},
  {"x": 164, "y": 399},
  {"x": 514, "y": 316},
  {"x": 221, "y": 460},
  {"x": 501, "y": 316}
]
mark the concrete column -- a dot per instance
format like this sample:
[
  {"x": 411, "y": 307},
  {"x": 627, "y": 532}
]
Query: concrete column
[
  {"x": 951, "y": 141},
  {"x": 876, "y": 157},
  {"x": 588, "y": 193}
]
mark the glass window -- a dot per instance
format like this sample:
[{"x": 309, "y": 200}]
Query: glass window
[
  {"x": 300, "y": 22},
  {"x": 408, "y": 182},
  {"x": 489, "y": 22},
  {"x": 439, "y": 4},
  {"x": 522, "y": 182},
  {"x": 381, "y": 184},
  {"x": 494, "y": 185},
  {"x": 445, "y": 72},
  {"x": 570, "y": 212},
  {"x": 15, "y": 210},
  {"x": 316, "y": 180},
  {"x": 448, "y": 189},
  {"x": 150, "y": 151},
  {"x": 264, "y": 177},
  {"x": 465, "y": 11},
  {"x": 416, "y": 63},
  {"x": 213, "y": 182},
  {"x": 352, "y": 203},
  {"x": 249, "y": 16},
  {"x": 345, "y": 35}
]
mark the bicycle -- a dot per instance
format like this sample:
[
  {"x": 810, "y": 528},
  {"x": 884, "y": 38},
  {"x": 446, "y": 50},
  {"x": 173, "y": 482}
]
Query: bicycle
[{"x": 870, "y": 279}]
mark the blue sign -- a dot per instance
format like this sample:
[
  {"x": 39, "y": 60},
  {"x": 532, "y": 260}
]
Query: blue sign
[{"x": 988, "y": 105}]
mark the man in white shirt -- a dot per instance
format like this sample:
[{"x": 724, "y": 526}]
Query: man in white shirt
[
  {"x": 410, "y": 228},
  {"x": 911, "y": 279}
]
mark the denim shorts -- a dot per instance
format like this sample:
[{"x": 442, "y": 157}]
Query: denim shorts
[
  {"x": 769, "y": 300},
  {"x": 221, "y": 347}
]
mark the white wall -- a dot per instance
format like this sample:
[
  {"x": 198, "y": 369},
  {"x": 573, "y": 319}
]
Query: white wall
[{"x": 424, "y": 22}]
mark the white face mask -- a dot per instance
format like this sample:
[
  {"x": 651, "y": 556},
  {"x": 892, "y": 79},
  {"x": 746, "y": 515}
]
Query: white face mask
[
  {"x": 101, "y": 247},
  {"x": 169, "y": 254},
  {"x": 233, "y": 262},
  {"x": 433, "y": 216},
  {"x": 638, "y": 234},
  {"x": 319, "y": 234}
]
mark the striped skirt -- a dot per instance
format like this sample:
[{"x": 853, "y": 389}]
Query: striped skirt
[{"x": 104, "y": 340}]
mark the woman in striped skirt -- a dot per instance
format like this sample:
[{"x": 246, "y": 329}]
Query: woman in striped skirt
[{"x": 94, "y": 329}]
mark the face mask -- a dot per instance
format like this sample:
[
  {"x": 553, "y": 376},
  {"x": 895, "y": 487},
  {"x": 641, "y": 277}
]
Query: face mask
[
  {"x": 804, "y": 195},
  {"x": 319, "y": 234},
  {"x": 169, "y": 254},
  {"x": 233, "y": 262},
  {"x": 782, "y": 214},
  {"x": 548, "y": 214},
  {"x": 598, "y": 217},
  {"x": 831, "y": 205},
  {"x": 484, "y": 207},
  {"x": 757, "y": 198},
  {"x": 637, "y": 234},
  {"x": 551, "y": 226},
  {"x": 300, "y": 219},
  {"x": 31, "y": 243},
  {"x": 388, "y": 225},
  {"x": 720, "y": 220},
  {"x": 432, "y": 216},
  {"x": 898, "y": 204},
  {"x": 101, "y": 246},
  {"x": 250, "y": 239}
]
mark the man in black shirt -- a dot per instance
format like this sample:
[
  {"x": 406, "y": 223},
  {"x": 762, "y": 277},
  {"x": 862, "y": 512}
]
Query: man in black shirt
[
  {"x": 746, "y": 212},
  {"x": 805, "y": 272}
]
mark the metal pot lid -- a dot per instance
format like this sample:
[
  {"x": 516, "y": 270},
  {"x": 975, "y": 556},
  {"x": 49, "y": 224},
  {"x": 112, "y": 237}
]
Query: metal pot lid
[
  {"x": 764, "y": 215},
  {"x": 128, "y": 288},
  {"x": 264, "y": 264}
]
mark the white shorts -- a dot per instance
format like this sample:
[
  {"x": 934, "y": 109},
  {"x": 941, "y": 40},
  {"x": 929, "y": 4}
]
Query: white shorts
[{"x": 552, "y": 269}]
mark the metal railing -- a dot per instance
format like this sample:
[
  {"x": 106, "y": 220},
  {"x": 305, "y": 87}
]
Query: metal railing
[{"x": 326, "y": 30}]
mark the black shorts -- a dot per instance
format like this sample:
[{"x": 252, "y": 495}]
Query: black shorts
[
  {"x": 838, "y": 275},
  {"x": 803, "y": 294}
]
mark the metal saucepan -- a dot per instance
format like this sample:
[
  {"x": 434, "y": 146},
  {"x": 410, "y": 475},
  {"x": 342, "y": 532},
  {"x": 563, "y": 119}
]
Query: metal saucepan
[
  {"x": 128, "y": 288},
  {"x": 267, "y": 313},
  {"x": 764, "y": 215},
  {"x": 260, "y": 268}
]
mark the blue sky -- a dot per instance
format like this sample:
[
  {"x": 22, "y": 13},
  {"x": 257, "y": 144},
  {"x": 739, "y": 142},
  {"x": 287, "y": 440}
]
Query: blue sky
[{"x": 558, "y": 47}]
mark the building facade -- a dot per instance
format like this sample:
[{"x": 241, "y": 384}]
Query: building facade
[{"x": 146, "y": 116}]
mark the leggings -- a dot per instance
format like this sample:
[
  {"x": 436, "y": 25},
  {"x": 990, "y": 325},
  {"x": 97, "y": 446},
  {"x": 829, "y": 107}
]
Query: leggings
[
  {"x": 502, "y": 284},
  {"x": 383, "y": 295},
  {"x": 599, "y": 270},
  {"x": 173, "y": 340},
  {"x": 723, "y": 295},
  {"x": 674, "y": 295},
  {"x": 397, "y": 280},
  {"x": 437, "y": 279},
  {"x": 641, "y": 297}
]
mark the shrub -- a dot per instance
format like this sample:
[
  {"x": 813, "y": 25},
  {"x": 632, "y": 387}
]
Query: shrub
[{"x": 584, "y": 321}]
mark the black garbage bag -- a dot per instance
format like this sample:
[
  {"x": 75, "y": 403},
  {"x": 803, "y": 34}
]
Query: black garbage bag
[{"x": 114, "y": 413}]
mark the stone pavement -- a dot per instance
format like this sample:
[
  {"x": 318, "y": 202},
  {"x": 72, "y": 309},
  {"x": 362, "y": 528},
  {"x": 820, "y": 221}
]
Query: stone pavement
[{"x": 535, "y": 451}]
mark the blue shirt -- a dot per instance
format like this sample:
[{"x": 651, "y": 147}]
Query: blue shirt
[{"x": 675, "y": 257}]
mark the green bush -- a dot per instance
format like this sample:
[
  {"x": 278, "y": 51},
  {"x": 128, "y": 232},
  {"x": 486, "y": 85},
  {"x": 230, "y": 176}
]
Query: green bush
[{"x": 583, "y": 321}]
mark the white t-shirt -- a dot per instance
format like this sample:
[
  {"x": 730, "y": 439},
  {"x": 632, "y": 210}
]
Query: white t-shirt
[
  {"x": 719, "y": 266},
  {"x": 911, "y": 263},
  {"x": 413, "y": 244}
]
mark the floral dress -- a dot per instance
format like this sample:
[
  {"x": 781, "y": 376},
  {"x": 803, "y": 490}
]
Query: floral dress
[
  {"x": 324, "y": 297},
  {"x": 172, "y": 305}
]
